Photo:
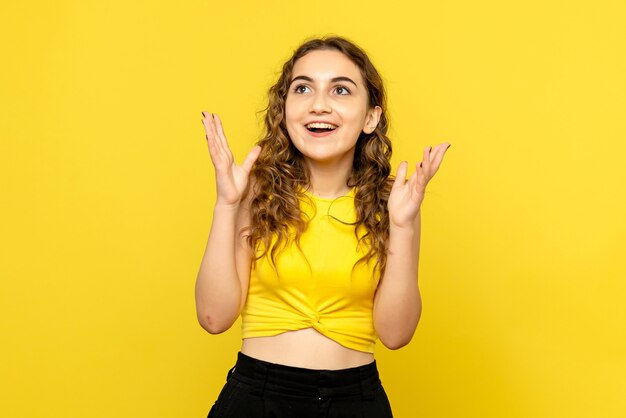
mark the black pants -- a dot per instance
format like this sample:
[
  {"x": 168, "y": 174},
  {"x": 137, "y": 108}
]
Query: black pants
[{"x": 258, "y": 389}]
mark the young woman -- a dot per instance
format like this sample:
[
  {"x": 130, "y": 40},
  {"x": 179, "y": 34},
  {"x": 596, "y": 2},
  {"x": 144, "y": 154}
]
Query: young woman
[{"x": 313, "y": 243}]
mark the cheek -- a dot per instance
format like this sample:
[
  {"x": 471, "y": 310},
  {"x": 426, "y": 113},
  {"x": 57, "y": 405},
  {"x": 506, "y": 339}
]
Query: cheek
[
  {"x": 353, "y": 112},
  {"x": 356, "y": 120},
  {"x": 289, "y": 117},
  {"x": 291, "y": 126},
  {"x": 291, "y": 132},
  {"x": 292, "y": 111}
]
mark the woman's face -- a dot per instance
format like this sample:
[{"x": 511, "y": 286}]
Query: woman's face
[{"x": 326, "y": 108}]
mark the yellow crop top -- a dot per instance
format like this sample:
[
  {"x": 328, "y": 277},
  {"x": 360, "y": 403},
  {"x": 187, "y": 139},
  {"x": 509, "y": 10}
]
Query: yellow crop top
[{"x": 324, "y": 293}]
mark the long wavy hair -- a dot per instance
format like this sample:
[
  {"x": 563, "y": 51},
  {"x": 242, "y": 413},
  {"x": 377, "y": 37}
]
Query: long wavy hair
[{"x": 281, "y": 176}]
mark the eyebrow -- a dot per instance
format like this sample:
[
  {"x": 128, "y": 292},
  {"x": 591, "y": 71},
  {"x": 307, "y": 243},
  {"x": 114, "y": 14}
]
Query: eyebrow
[{"x": 334, "y": 80}]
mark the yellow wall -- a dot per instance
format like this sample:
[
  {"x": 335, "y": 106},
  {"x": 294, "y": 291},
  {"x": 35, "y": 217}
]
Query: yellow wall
[{"x": 107, "y": 192}]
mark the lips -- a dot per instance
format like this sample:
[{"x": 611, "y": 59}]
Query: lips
[{"x": 320, "y": 128}]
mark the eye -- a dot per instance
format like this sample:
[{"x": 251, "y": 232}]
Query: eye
[
  {"x": 301, "y": 88},
  {"x": 342, "y": 91}
]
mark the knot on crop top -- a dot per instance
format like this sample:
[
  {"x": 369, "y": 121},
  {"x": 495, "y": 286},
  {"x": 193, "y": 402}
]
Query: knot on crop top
[{"x": 321, "y": 291}]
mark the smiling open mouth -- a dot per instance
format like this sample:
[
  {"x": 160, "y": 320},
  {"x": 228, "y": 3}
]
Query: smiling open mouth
[{"x": 317, "y": 127}]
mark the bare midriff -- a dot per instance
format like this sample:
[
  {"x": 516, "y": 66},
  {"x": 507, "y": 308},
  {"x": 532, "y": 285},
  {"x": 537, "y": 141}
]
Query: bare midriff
[{"x": 305, "y": 348}]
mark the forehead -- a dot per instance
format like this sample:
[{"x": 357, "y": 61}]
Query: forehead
[{"x": 326, "y": 64}]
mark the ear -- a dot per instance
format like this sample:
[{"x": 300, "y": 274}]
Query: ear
[{"x": 372, "y": 118}]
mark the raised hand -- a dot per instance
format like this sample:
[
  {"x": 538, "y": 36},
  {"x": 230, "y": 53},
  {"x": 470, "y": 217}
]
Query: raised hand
[
  {"x": 407, "y": 195},
  {"x": 231, "y": 178}
]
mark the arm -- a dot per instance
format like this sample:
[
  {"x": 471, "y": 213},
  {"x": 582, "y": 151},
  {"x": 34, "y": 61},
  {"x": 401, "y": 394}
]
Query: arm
[
  {"x": 398, "y": 303},
  {"x": 222, "y": 282}
]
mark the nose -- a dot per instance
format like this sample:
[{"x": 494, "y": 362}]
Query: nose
[{"x": 320, "y": 104}]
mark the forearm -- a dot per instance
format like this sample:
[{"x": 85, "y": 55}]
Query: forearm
[
  {"x": 218, "y": 288},
  {"x": 398, "y": 303}
]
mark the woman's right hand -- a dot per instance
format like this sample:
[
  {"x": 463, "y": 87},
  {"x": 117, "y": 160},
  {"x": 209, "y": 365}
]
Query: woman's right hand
[{"x": 231, "y": 178}]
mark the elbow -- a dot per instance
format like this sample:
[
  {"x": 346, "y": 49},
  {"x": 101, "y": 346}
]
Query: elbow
[
  {"x": 215, "y": 318},
  {"x": 396, "y": 342},
  {"x": 212, "y": 326},
  {"x": 395, "y": 339}
]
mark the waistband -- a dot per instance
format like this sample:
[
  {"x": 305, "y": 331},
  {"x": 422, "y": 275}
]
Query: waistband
[{"x": 264, "y": 376}]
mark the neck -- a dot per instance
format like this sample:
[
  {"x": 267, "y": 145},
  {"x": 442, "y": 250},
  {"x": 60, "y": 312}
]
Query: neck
[{"x": 328, "y": 180}]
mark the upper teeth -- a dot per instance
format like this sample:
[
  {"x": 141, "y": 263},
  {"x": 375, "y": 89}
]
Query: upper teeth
[{"x": 320, "y": 125}]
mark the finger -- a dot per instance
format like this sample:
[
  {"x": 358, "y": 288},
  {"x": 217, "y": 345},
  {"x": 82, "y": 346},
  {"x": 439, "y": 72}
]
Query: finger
[
  {"x": 419, "y": 170},
  {"x": 400, "y": 175},
  {"x": 209, "y": 130},
  {"x": 438, "y": 157},
  {"x": 430, "y": 156},
  {"x": 220, "y": 142},
  {"x": 220, "y": 133},
  {"x": 414, "y": 177},
  {"x": 205, "y": 122},
  {"x": 417, "y": 184},
  {"x": 251, "y": 158},
  {"x": 420, "y": 174},
  {"x": 425, "y": 163},
  {"x": 215, "y": 148},
  {"x": 209, "y": 127},
  {"x": 440, "y": 149}
]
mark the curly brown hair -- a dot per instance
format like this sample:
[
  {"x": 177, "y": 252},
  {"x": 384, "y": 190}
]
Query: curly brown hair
[{"x": 280, "y": 174}]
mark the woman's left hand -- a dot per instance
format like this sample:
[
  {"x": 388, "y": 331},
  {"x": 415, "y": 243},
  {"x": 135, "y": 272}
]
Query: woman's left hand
[{"x": 407, "y": 195}]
